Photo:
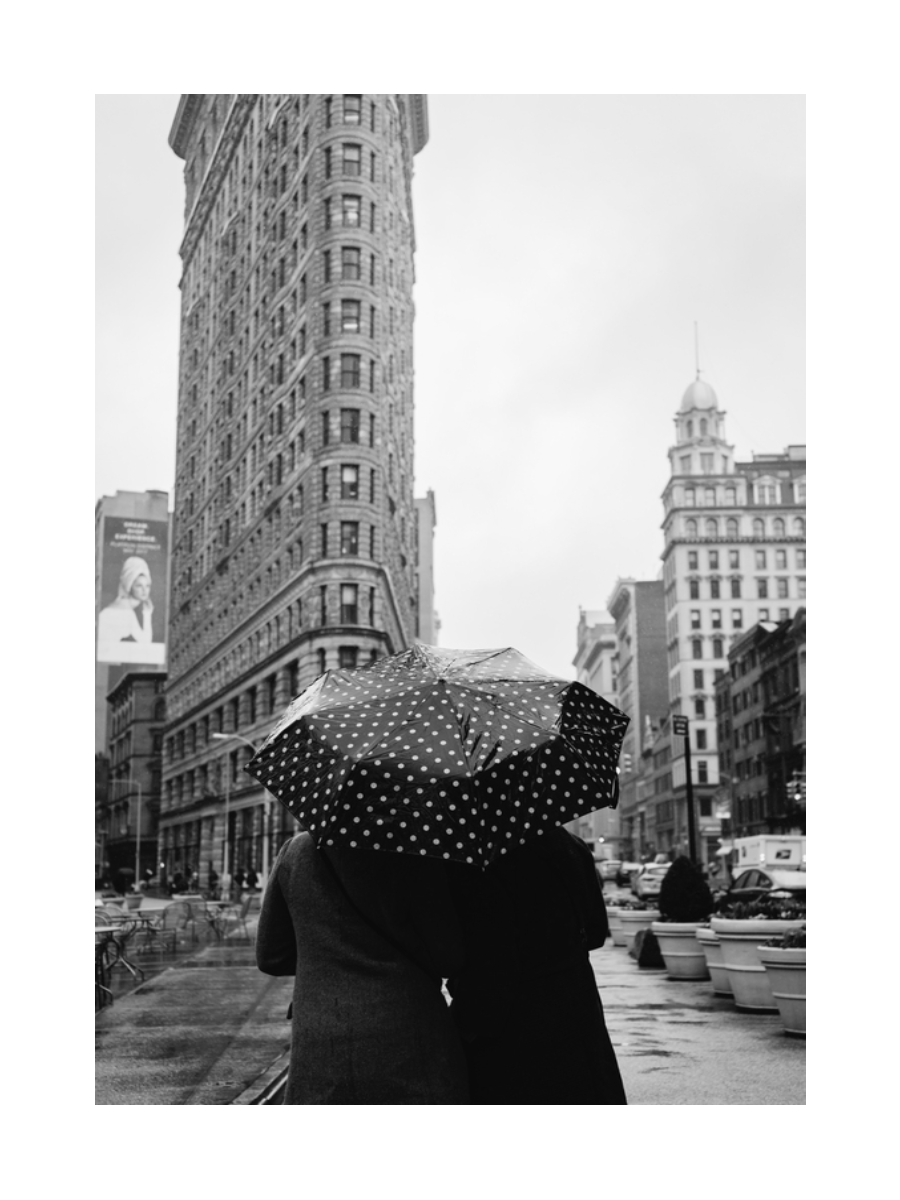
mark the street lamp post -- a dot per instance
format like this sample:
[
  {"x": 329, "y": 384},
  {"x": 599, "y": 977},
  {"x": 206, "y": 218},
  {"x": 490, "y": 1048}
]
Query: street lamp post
[{"x": 239, "y": 737}]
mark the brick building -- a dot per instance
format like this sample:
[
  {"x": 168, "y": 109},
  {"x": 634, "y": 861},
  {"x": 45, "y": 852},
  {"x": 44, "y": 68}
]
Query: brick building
[
  {"x": 761, "y": 729},
  {"x": 129, "y": 803},
  {"x": 296, "y": 532}
]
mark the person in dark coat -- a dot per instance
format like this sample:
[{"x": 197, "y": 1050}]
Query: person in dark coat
[
  {"x": 369, "y": 936},
  {"x": 526, "y": 1000}
]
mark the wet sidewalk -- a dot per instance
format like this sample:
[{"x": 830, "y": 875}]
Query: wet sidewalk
[{"x": 677, "y": 1042}]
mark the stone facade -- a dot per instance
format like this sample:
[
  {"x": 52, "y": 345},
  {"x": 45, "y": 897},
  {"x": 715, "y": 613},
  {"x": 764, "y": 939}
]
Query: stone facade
[{"x": 296, "y": 529}]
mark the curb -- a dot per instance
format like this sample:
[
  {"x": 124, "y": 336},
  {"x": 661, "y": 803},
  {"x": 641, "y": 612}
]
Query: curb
[{"x": 267, "y": 1087}]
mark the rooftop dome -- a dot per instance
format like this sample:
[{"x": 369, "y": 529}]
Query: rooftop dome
[{"x": 698, "y": 395}]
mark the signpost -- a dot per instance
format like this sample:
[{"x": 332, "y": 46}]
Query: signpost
[{"x": 681, "y": 728}]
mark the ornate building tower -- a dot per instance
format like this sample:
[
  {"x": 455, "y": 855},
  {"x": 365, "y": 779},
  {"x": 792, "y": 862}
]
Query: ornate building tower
[
  {"x": 734, "y": 555},
  {"x": 295, "y": 525}
]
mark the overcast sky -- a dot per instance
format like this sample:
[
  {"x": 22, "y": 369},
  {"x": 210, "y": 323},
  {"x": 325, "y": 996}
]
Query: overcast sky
[{"x": 565, "y": 247}]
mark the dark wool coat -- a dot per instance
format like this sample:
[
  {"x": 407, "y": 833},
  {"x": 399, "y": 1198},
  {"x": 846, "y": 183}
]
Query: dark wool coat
[
  {"x": 369, "y": 937},
  {"x": 526, "y": 999}
]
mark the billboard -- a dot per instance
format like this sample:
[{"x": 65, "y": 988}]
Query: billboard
[{"x": 131, "y": 625}]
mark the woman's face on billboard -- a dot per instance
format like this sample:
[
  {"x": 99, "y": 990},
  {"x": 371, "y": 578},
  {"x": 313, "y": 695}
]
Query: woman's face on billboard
[{"x": 140, "y": 589}]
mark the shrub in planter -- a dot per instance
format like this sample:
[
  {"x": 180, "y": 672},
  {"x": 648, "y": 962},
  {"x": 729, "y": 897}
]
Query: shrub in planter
[
  {"x": 791, "y": 939},
  {"x": 784, "y": 960},
  {"x": 684, "y": 895},
  {"x": 645, "y": 949},
  {"x": 741, "y": 929}
]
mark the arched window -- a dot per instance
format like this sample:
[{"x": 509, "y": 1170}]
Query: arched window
[
  {"x": 691, "y": 528},
  {"x": 730, "y": 496},
  {"x": 731, "y": 526},
  {"x": 778, "y": 526},
  {"x": 712, "y": 527},
  {"x": 690, "y": 497},
  {"x": 690, "y": 428},
  {"x": 759, "y": 528},
  {"x": 704, "y": 426},
  {"x": 799, "y": 527}
]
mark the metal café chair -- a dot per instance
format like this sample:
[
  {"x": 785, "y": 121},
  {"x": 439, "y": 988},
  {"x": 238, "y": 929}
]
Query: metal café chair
[{"x": 237, "y": 914}]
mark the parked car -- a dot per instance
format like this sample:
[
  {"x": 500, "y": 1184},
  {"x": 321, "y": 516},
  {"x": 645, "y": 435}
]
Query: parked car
[
  {"x": 609, "y": 867},
  {"x": 752, "y": 884},
  {"x": 648, "y": 880}
]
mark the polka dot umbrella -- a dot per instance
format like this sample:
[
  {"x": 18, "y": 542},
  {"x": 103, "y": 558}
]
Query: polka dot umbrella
[{"x": 455, "y": 754}]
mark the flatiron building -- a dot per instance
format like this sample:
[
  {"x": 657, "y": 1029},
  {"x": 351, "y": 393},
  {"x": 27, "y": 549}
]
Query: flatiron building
[{"x": 295, "y": 528}]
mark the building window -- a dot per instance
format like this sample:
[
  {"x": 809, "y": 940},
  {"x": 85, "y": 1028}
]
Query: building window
[
  {"x": 686, "y": 462},
  {"x": 801, "y": 559},
  {"x": 352, "y": 110},
  {"x": 327, "y": 162},
  {"x": 730, "y": 497},
  {"x": 351, "y": 158},
  {"x": 714, "y": 589},
  {"x": 691, "y": 528},
  {"x": 324, "y": 485},
  {"x": 349, "y": 604},
  {"x": 320, "y": 655},
  {"x": 737, "y": 618},
  {"x": 696, "y": 648},
  {"x": 760, "y": 560},
  {"x": 349, "y": 482},
  {"x": 693, "y": 560},
  {"x": 326, "y": 319},
  {"x": 800, "y": 491},
  {"x": 698, "y": 680},
  {"x": 349, "y": 425},
  {"x": 714, "y": 560},
  {"x": 694, "y": 589},
  {"x": 799, "y": 527},
  {"x": 350, "y": 370},
  {"x": 735, "y": 589},
  {"x": 732, "y": 528},
  {"x": 329, "y": 103},
  {"x": 351, "y": 316},
  {"x": 783, "y": 614},
  {"x": 734, "y": 560},
  {"x": 690, "y": 498},
  {"x": 762, "y": 589},
  {"x": 706, "y": 460},
  {"x": 351, "y": 210},
  {"x": 767, "y": 493},
  {"x": 350, "y": 538},
  {"x": 699, "y": 707},
  {"x": 778, "y": 527},
  {"x": 712, "y": 527},
  {"x": 782, "y": 585},
  {"x": 323, "y": 540},
  {"x": 695, "y": 618},
  {"x": 764, "y": 614},
  {"x": 718, "y": 648},
  {"x": 701, "y": 733},
  {"x": 350, "y": 262},
  {"x": 801, "y": 587},
  {"x": 717, "y": 618},
  {"x": 326, "y": 437},
  {"x": 781, "y": 560},
  {"x": 326, "y": 374},
  {"x": 702, "y": 771}
]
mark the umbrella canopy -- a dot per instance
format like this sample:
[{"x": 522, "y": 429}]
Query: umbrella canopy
[{"x": 455, "y": 754}]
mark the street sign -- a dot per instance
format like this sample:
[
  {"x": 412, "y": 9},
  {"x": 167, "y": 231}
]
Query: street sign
[{"x": 680, "y": 726}]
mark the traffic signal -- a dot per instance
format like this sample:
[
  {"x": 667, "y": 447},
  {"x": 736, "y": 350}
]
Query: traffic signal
[{"x": 626, "y": 763}]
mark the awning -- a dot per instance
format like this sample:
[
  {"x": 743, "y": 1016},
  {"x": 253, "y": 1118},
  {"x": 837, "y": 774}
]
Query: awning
[{"x": 725, "y": 848}]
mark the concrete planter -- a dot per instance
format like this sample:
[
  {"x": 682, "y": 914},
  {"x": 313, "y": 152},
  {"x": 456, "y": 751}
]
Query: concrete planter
[
  {"x": 786, "y": 972},
  {"x": 740, "y": 940},
  {"x": 614, "y": 917},
  {"x": 708, "y": 941},
  {"x": 635, "y": 919},
  {"x": 133, "y": 901},
  {"x": 680, "y": 949}
]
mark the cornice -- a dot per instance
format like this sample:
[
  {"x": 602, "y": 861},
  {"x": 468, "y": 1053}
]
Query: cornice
[{"x": 185, "y": 115}]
